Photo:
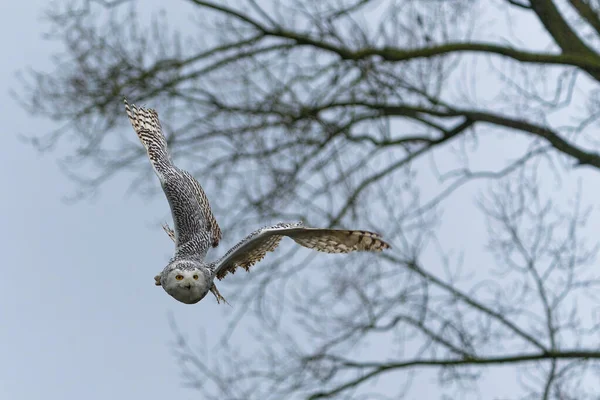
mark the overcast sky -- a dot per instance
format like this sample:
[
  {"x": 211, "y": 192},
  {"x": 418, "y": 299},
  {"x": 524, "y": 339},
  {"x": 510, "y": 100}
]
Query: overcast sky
[{"x": 80, "y": 317}]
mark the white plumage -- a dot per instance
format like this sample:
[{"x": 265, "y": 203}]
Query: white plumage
[{"x": 188, "y": 277}]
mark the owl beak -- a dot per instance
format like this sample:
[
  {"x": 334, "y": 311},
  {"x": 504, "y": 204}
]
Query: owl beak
[{"x": 188, "y": 286}]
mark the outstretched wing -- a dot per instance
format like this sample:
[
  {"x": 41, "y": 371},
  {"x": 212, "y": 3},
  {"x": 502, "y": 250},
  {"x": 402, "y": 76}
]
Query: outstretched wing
[
  {"x": 195, "y": 225},
  {"x": 255, "y": 246},
  {"x": 147, "y": 127}
]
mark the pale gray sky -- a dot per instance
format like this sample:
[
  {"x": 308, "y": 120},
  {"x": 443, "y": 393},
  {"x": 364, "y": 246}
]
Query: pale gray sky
[{"x": 80, "y": 316}]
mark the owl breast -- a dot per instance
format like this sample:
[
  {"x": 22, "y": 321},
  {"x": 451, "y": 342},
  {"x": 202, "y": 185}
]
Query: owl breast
[{"x": 187, "y": 295}]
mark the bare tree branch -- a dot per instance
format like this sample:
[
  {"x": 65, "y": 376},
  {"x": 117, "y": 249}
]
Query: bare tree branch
[{"x": 392, "y": 116}]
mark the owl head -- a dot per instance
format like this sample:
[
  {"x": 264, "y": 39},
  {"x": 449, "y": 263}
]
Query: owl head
[{"x": 186, "y": 281}]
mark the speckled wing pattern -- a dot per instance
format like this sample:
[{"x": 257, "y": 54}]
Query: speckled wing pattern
[
  {"x": 146, "y": 125},
  {"x": 195, "y": 225},
  {"x": 255, "y": 246},
  {"x": 216, "y": 233}
]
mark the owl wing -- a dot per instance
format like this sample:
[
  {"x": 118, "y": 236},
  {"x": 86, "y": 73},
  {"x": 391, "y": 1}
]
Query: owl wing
[
  {"x": 255, "y": 246},
  {"x": 215, "y": 230},
  {"x": 195, "y": 225}
]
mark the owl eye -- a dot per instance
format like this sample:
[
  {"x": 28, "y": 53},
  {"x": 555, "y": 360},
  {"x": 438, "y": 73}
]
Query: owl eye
[
  {"x": 196, "y": 277},
  {"x": 179, "y": 277}
]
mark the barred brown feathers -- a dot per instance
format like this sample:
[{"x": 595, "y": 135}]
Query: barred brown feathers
[
  {"x": 255, "y": 246},
  {"x": 338, "y": 240},
  {"x": 146, "y": 125}
]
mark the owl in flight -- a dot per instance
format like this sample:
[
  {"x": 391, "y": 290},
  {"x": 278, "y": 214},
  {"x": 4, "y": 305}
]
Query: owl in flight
[{"x": 188, "y": 277}]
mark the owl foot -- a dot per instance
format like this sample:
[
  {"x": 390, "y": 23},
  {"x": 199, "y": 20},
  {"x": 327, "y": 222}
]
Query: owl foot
[
  {"x": 169, "y": 231},
  {"x": 218, "y": 296},
  {"x": 157, "y": 280}
]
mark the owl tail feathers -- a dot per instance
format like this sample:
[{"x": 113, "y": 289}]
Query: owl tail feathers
[{"x": 146, "y": 125}]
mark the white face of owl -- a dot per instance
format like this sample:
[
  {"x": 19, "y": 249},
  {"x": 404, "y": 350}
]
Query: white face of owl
[{"x": 188, "y": 286}]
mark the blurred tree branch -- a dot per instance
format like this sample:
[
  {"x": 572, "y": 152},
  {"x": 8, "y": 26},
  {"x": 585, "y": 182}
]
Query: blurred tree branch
[{"x": 370, "y": 113}]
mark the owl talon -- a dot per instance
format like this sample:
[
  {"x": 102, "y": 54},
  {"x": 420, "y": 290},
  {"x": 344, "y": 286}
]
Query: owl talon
[
  {"x": 157, "y": 280},
  {"x": 218, "y": 296},
  {"x": 169, "y": 231}
]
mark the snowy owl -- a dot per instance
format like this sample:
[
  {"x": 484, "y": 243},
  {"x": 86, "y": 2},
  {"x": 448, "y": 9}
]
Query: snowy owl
[{"x": 188, "y": 277}]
